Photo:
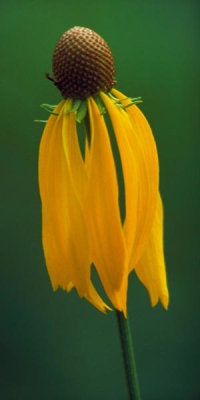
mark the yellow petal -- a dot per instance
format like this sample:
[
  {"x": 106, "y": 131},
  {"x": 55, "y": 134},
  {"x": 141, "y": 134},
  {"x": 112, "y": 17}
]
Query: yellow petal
[
  {"x": 73, "y": 155},
  {"x": 151, "y": 267},
  {"x": 57, "y": 274},
  {"x": 93, "y": 297},
  {"x": 130, "y": 159},
  {"x": 143, "y": 144},
  {"x": 103, "y": 215},
  {"x": 65, "y": 237},
  {"x": 47, "y": 135}
]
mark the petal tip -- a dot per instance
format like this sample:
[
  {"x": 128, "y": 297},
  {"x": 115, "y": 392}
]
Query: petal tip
[{"x": 165, "y": 301}]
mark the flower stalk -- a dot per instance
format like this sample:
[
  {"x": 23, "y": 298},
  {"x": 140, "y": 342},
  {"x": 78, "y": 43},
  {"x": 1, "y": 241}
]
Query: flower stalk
[{"x": 128, "y": 356}]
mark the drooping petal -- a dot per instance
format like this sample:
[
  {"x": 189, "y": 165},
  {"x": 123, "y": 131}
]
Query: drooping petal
[
  {"x": 65, "y": 237},
  {"x": 93, "y": 297},
  {"x": 87, "y": 153},
  {"x": 54, "y": 266},
  {"x": 77, "y": 169},
  {"x": 73, "y": 155},
  {"x": 48, "y": 132},
  {"x": 151, "y": 267},
  {"x": 143, "y": 144},
  {"x": 103, "y": 215},
  {"x": 130, "y": 163}
]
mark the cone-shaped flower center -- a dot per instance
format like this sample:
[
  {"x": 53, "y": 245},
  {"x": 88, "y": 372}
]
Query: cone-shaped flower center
[{"x": 82, "y": 64}]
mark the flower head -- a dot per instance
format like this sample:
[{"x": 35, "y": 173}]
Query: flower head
[{"x": 81, "y": 220}]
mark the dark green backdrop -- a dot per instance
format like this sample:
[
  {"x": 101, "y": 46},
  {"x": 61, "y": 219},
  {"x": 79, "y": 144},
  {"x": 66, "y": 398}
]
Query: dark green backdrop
[{"x": 53, "y": 345}]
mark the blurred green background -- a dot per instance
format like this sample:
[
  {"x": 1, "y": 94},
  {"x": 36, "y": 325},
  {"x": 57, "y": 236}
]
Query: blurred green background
[{"x": 53, "y": 345}]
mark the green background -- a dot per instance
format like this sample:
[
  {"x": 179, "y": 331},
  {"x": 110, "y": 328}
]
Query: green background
[{"x": 54, "y": 345}]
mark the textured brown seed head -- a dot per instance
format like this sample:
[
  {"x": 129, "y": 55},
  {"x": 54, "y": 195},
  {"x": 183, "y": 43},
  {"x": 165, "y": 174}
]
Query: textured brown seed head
[{"x": 82, "y": 64}]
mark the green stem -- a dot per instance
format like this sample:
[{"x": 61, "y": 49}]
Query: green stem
[{"x": 128, "y": 356}]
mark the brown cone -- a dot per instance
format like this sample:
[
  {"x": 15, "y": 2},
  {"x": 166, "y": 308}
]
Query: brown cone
[{"x": 82, "y": 64}]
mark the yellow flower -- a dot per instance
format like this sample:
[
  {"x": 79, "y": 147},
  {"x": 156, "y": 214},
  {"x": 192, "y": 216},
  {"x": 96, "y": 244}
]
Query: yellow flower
[{"x": 81, "y": 222}]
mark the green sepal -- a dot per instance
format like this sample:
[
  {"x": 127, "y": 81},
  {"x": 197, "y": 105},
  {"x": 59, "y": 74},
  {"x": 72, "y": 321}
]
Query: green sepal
[
  {"x": 118, "y": 102},
  {"x": 112, "y": 96},
  {"x": 40, "y": 120},
  {"x": 82, "y": 111},
  {"x": 47, "y": 108},
  {"x": 75, "y": 106},
  {"x": 100, "y": 104},
  {"x": 132, "y": 104},
  {"x": 50, "y": 106},
  {"x": 133, "y": 99}
]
